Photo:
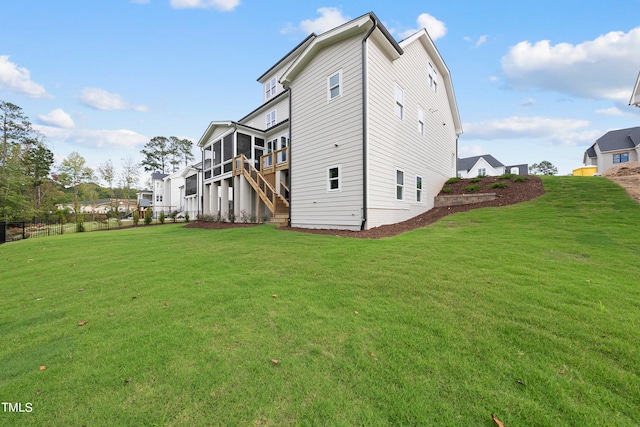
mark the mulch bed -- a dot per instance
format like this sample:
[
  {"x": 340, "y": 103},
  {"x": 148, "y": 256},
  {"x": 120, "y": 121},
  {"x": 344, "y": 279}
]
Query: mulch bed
[{"x": 516, "y": 192}]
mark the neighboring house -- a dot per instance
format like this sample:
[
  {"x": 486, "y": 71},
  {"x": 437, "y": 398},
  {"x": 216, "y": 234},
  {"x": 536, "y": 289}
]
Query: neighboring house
[
  {"x": 356, "y": 131},
  {"x": 470, "y": 167},
  {"x": 153, "y": 198},
  {"x": 635, "y": 95},
  {"x": 614, "y": 147},
  {"x": 102, "y": 206},
  {"x": 182, "y": 191}
]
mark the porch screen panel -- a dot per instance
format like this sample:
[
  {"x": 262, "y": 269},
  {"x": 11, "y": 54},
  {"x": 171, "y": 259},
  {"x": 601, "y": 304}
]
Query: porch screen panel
[
  {"x": 244, "y": 145},
  {"x": 217, "y": 158},
  {"x": 191, "y": 185},
  {"x": 227, "y": 148}
]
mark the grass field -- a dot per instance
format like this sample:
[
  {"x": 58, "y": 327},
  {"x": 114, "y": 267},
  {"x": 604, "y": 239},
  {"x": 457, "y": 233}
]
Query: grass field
[{"x": 530, "y": 312}]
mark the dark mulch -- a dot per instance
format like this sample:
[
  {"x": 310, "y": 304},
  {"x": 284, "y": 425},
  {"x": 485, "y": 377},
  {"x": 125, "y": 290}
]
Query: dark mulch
[{"x": 516, "y": 192}]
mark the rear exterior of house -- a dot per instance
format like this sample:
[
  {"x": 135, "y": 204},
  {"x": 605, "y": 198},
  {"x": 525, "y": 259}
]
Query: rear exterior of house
[{"x": 356, "y": 131}]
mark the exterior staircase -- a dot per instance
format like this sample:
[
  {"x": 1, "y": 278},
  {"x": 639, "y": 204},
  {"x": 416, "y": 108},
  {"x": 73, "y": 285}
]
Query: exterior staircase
[{"x": 278, "y": 205}]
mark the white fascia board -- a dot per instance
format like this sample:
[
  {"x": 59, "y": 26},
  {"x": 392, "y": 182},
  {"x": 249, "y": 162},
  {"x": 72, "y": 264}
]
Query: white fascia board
[
  {"x": 635, "y": 95},
  {"x": 325, "y": 39},
  {"x": 212, "y": 126}
]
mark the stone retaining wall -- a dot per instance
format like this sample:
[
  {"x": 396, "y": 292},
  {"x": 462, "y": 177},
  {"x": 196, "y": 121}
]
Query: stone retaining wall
[{"x": 463, "y": 199}]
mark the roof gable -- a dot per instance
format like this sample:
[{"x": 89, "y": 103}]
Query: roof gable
[
  {"x": 635, "y": 95},
  {"x": 468, "y": 163},
  {"x": 621, "y": 139},
  {"x": 425, "y": 40},
  {"x": 357, "y": 26}
]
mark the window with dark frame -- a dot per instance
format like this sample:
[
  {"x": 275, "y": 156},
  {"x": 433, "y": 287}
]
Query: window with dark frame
[
  {"x": 334, "y": 178},
  {"x": 621, "y": 158}
]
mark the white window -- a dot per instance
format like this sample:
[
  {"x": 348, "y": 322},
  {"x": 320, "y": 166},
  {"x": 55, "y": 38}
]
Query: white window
[
  {"x": 418, "y": 189},
  {"x": 270, "y": 119},
  {"x": 270, "y": 88},
  {"x": 334, "y": 85},
  {"x": 482, "y": 172},
  {"x": 399, "y": 104},
  {"x": 420, "y": 121},
  {"x": 399, "y": 184},
  {"x": 333, "y": 178},
  {"x": 433, "y": 78}
]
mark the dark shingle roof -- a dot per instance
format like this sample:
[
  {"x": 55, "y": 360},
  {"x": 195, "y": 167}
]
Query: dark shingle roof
[
  {"x": 621, "y": 139},
  {"x": 468, "y": 162}
]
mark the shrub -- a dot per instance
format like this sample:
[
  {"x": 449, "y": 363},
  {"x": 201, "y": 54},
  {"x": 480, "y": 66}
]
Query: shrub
[
  {"x": 161, "y": 217},
  {"x": 519, "y": 178},
  {"x": 499, "y": 184},
  {"x": 148, "y": 216},
  {"x": 472, "y": 188},
  {"x": 174, "y": 215},
  {"x": 476, "y": 179},
  {"x": 186, "y": 217},
  {"x": 136, "y": 217},
  {"x": 232, "y": 217},
  {"x": 447, "y": 190},
  {"x": 452, "y": 180},
  {"x": 265, "y": 218},
  {"x": 506, "y": 176},
  {"x": 244, "y": 216},
  {"x": 80, "y": 227}
]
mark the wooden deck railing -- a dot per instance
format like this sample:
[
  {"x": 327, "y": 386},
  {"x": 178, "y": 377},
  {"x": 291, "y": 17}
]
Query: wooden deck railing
[
  {"x": 266, "y": 192},
  {"x": 275, "y": 160}
]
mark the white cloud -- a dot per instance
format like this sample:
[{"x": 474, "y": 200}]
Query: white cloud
[
  {"x": 557, "y": 131},
  {"x": 613, "y": 111},
  {"x": 603, "y": 68},
  {"x": 481, "y": 40},
  {"x": 100, "y": 99},
  {"x": 18, "y": 79},
  {"x": 57, "y": 118},
  {"x": 221, "y": 5},
  {"x": 119, "y": 138},
  {"x": 435, "y": 28},
  {"x": 330, "y": 17},
  {"x": 470, "y": 151}
]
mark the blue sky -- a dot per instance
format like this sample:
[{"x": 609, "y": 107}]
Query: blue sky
[{"x": 533, "y": 80}]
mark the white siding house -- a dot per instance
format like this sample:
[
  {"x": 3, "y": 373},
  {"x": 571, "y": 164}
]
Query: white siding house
[{"x": 356, "y": 131}]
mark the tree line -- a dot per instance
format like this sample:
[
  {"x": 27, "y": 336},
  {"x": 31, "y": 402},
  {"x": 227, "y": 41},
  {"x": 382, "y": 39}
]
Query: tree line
[{"x": 30, "y": 185}]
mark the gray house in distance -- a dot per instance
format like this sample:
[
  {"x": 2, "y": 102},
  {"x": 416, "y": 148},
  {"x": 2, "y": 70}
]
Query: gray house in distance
[
  {"x": 470, "y": 167},
  {"x": 614, "y": 147}
]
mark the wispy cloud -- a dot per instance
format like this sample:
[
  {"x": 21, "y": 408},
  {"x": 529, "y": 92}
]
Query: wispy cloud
[
  {"x": 57, "y": 118},
  {"x": 100, "y": 99},
  {"x": 603, "y": 68},
  {"x": 613, "y": 111},
  {"x": 557, "y": 131},
  {"x": 221, "y": 5},
  {"x": 436, "y": 28},
  {"x": 18, "y": 79},
  {"x": 101, "y": 138},
  {"x": 530, "y": 102}
]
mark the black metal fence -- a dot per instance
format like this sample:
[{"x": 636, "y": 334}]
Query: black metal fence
[{"x": 10, "y": 231}]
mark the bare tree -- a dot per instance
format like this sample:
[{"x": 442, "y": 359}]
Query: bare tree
[
  {"x": 108, "y": 174},
  {"x": 129, "y": 177}
]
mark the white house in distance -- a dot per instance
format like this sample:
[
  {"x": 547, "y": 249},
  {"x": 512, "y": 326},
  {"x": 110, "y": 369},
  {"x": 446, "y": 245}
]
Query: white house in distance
[
  {"x": 614, "y": 147},
  {"x": 470, "y": 167},
  {"x": 356, "y": 131},
  {"x": 181, "y": 192}
]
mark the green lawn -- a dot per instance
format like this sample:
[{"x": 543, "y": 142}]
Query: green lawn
[{"x": 530, "y": 312}]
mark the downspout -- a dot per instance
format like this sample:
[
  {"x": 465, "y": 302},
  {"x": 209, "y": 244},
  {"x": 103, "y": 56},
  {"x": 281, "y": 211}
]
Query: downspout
[
  {"x": 288, "y": 88},
  {"x": 233, "y": 179},
  {"x": 365, "y": 117}
]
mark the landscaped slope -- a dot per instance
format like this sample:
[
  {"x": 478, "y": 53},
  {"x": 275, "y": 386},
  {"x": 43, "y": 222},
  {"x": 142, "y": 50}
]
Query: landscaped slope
[{"x": 530, "y": 312}]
